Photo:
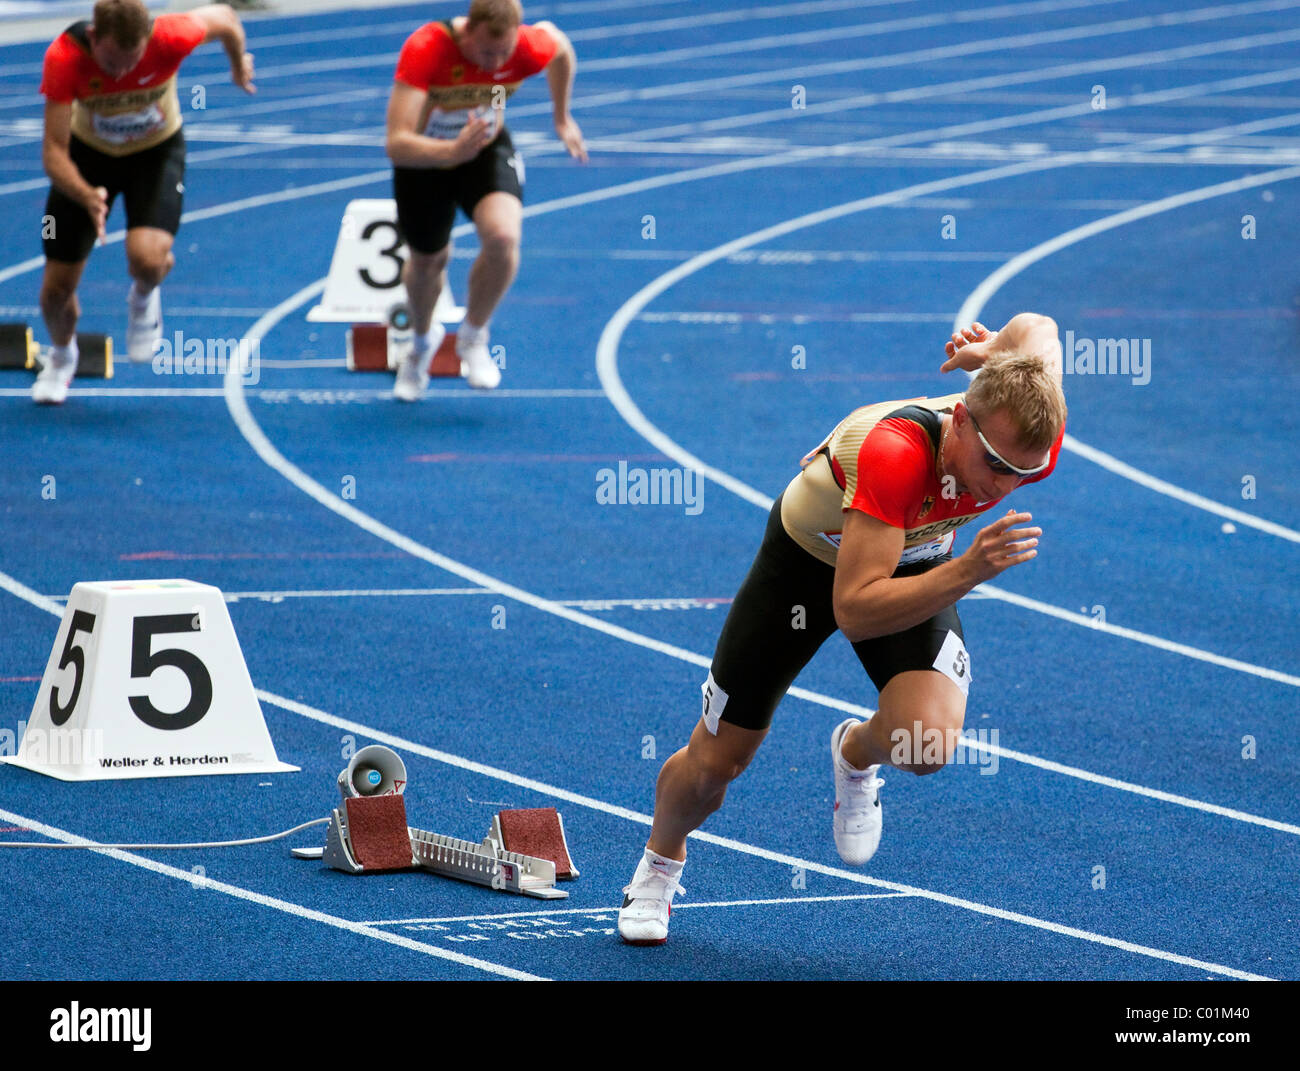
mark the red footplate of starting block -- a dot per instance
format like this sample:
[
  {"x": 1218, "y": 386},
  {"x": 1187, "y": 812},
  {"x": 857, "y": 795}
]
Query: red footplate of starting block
[
  {"x": 378, "y": 832},
  {"x": 372, "y": 349},
  {"x": 445, "y": 362}
]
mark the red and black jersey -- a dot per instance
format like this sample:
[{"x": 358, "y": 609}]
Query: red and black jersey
[
  {"x": 432, "y": 61},
  {"x": 882, "y": 460},
  {"x": 131, "y": 113}
]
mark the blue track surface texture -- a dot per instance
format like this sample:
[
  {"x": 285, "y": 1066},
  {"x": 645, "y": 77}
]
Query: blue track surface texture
[{"x": 1138, "y": 679}]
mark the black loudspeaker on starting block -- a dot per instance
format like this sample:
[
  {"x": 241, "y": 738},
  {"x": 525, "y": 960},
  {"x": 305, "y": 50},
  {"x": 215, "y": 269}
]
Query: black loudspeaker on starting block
[
  {"x": 524, "y": 852},
  {"x": 18, "y": 349}
]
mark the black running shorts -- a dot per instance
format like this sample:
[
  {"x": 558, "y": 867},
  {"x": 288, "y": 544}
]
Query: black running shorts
[
  {"x": 427, "y": 196},
  {"x": 151, "y": 182},
  {"x": 762, "y": 648}
]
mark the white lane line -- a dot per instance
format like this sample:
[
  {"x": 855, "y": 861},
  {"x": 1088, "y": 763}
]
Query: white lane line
[
  {"x": 740, "y": 846},
  {"x": 980, "y": 296},
  {"x": 361, "y": 929},
  {"x": 710, "y": 87},
  {"x": 802, "y": 39},
  {"x": 315, "y": 396},
  {"x": 50, "y": 604},
  {"x": 715, "y": 84},
  {"x": 965, "y": 87},
  {"x": 225, "y": 209},
  {"x": 253, "y": 433},
  {"x": 275, "y": 315},
  {"x": 237, "y": 403},
  {"x": 1139, "y": 637},
  {"x": 614, "y": 909}
]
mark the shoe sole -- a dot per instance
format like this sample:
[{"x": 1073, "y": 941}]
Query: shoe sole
[{"x": 644, "y": 944}]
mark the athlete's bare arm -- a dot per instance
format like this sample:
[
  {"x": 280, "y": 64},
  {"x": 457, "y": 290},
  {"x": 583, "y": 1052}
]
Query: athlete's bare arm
[
  {"x": 224, "y": 26},
  {"x": 1027, "y": 332},
  {"x": 63, "y": 172},
  {"x": 407, "y": 147},
  {"x": 559, "y": 77},
  {"x": 869, "y": 601}
]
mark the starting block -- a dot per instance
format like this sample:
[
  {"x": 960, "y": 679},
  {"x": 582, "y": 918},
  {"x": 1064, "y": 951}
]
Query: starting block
[
  {"x": 379, "y": 348},
  {"x": 18, "y": 349},
  {"x": 524, "y": 852}
]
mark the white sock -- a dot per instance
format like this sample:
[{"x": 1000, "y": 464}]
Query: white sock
[
  {"x": 139, "y": 296},
  {"x": 424, "y": 343},
  {"x": 470, "y": 333},
  {"x": 62, "y": 355},
  {"x": 849, "y": 768},
  {"x": 671, "y": 867}
]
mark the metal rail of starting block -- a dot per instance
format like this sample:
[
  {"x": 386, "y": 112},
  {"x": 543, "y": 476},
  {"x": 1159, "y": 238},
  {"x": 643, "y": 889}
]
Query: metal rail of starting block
[{"x": 485, "y": 864}]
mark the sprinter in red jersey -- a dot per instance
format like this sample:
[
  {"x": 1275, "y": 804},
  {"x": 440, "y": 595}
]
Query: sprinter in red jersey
[
  {"x": 113, "y": 125},
  {"x": 450, "y": 147},
  {"x": 861, "y": 542}
]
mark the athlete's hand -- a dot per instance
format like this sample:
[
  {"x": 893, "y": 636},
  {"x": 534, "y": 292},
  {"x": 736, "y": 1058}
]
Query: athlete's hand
[
  {"x": 96, "y": 206},
  {"x": 969, "y": 348},
  {"x": 999, "y": 546},
  {"x": 242, "y": 74},
  {"x": 569, "y": 133},
  {"x": 475, "y": 136}
]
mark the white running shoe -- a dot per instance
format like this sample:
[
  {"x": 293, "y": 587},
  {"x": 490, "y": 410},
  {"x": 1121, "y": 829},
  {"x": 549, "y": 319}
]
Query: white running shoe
[
  {"x": 52, "y": 381},
  {"x": 143, "y": 326},
  {"x": 413, "y": 369},
  {"x": 858, "y": 815},
  {"x": 648, "y": 900},
  {"x": 476, "y": 364}
]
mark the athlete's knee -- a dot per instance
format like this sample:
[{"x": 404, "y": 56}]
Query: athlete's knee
[
  {"x": 58, "y": 289},
  {"x": 924, "y": 742},
  {"x": 429, "y": 263},
  {"x": 150, "y": 266},
  {"x": 717, "y": 762},
  {"x": 499, "y": 241}
]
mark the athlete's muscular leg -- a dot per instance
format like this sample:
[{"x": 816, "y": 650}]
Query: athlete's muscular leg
[
  {"x": 916, "y": 728},
  {"x": 148, "y": 256},
  {"x": 694, "y": 782},
  {"x": 59, "y": 305},
  {"x": 498, "y": 217},
  {"x": 424, "y": 276}
]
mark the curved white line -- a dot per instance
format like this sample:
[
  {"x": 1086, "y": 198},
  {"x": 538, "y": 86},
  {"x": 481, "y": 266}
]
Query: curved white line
[
  {"x": 979, "y": 297},
  {"x": 237, "y": 403}
]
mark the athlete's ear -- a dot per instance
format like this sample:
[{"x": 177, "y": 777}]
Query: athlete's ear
[{"x": 959, "y": 414}]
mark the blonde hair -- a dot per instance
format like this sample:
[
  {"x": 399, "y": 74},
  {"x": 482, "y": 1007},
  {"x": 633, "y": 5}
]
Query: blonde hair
[
  {"x": 1021, "y": 386},
  {"x": 499, "y": 16},
  {"x": 125, "y": 22}
]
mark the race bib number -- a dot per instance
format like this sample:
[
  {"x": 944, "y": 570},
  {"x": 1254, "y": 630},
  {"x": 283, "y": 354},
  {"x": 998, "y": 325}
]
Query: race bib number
[
  {"x": 123, "y": 128},
  {"x": 953, "y": 662},
  {"x": 715, "y": 702},
  {"x": 936, "y": 548},
  {"x": 448, "y": 125}
]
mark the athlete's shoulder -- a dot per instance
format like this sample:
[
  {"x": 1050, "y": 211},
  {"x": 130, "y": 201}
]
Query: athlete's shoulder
[
  {"x": 181, "y": 30},
  {"x": 432, "y": 38},
  {"x": 536, "y": 45},
  {"x": 427, "y": 54},
  {"x": 63, "y": 60}
]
